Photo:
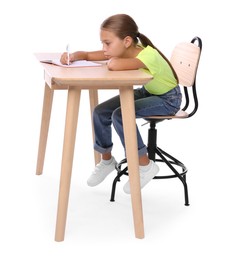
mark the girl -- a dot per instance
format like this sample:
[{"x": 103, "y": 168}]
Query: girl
[{"x": 161, "y": 96}]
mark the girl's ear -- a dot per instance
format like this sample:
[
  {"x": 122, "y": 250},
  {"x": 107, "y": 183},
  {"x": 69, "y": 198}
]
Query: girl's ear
[{"x": 127, "y": 41}]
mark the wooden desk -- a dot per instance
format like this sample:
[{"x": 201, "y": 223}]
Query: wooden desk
[{"x": 92, "y": 78}]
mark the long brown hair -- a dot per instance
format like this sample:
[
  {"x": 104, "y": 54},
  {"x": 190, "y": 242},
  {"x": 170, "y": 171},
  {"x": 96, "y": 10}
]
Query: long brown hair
[{"x": 123, "y": 25}]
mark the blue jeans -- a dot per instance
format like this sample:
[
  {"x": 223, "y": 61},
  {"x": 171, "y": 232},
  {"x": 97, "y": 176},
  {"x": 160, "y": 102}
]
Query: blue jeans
[{"x": 146, "y": 104}]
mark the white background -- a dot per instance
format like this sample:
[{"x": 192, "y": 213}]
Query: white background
[{"x": 97, "y": 228}]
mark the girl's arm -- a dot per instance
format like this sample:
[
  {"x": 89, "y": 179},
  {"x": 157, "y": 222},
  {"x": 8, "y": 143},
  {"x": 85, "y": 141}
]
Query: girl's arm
[
  {"x": 83, "y": 55},
  {"x": 125, "y": 64}
]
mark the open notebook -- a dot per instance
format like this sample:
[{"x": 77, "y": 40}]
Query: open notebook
[{"x": 75, "y": 64}]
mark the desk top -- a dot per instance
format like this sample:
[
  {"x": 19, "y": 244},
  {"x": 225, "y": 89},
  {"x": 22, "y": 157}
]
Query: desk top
[{"x": 89, "y": 77}]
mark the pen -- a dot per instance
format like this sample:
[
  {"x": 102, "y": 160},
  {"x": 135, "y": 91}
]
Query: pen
[{"x": 68, "y": 54}]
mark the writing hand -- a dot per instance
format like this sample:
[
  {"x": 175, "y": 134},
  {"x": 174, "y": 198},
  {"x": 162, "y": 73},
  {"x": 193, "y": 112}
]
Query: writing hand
[{"x": 64, "y": 58}]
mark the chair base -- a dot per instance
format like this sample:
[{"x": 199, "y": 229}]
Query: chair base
[{"x": 166, "y": 158}]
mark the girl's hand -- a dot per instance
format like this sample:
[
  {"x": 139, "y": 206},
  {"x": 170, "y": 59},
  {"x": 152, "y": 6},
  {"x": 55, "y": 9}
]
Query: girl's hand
[{"x": 64, "y": 58}]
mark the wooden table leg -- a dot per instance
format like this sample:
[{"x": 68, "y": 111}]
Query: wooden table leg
[
  {"x": 46, "y": 115},
  {"x": 129, "y": 125},
  {"x": 93, "y": 97},
  {"x": 67, "y": 160}
]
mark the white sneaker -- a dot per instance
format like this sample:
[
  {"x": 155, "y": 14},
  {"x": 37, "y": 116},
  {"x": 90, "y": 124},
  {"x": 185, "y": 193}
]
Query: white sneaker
[
  {"x": 145, "y": 176},
  {"x": 101, "y": 171}
]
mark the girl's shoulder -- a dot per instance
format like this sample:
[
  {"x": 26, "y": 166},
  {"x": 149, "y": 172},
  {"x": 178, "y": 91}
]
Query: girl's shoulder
[{"x": 147, "y": 52}]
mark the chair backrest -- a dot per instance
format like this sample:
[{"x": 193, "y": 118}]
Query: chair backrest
[{"x": 185, "y": 59}]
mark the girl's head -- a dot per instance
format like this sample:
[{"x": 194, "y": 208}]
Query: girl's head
[
  {"x": 121, "y": 25},
  {"x": 118, "y": 34}
]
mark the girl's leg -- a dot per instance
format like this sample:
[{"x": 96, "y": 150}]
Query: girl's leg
[
  {"x": 102, "y": 120},
  {"x": 144, "y": 160},
  {"x": 106, "y": 156}
]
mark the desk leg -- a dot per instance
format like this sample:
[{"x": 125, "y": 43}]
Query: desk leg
[
  {"x": 67, "y": 160},
  {"x": 93, "y": 97},
  {"x": 46, "y": 115},
  {"x": 129, "y": 125}
]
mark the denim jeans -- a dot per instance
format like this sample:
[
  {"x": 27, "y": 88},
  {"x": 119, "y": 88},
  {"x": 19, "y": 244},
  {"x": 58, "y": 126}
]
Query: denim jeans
[{"x": 146, "y": 104}]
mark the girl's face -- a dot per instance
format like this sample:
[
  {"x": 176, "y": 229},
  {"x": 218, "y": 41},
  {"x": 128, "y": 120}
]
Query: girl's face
[{"x": 113, "y": 46}]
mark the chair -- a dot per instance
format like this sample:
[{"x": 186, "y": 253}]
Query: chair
[{"x": 184, "y": 59}]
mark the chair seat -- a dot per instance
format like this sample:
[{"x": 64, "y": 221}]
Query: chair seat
[{"x": 180, "y": 114}]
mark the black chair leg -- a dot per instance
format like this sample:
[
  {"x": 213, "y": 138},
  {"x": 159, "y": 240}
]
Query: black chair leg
[
  {"x": 169, "y": 162},
  {"x": 162, "y": 154},
  {"x": 120, "y": 173},
  {"x": 114, "y": 185}
]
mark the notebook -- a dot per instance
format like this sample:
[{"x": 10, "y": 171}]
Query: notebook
[{"x": 74, "y": 64}]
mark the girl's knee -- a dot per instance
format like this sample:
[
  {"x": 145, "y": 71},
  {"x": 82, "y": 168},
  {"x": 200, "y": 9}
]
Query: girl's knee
[
  {"x": 98, "y": 110},
  {"x": 116, "y": 115}
]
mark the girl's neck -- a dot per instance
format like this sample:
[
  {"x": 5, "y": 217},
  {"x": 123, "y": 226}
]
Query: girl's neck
[{"x": 132, "y": 51}]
